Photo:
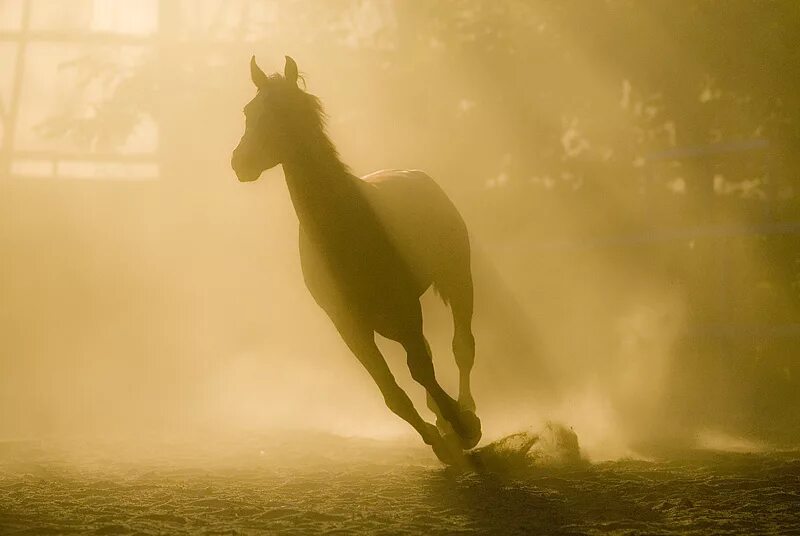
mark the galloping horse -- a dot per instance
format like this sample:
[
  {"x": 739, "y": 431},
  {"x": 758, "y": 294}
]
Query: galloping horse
[{"x": 369, "y": 248}]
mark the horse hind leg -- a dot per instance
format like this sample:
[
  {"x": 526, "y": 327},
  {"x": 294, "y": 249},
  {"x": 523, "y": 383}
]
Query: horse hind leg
[{"x": 458, "y": 292}]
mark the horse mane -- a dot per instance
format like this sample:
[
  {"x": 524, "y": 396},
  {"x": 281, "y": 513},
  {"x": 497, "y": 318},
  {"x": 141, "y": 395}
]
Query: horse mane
[{"x": 305, "y": 118}]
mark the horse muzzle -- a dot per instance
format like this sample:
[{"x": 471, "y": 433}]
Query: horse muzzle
[{"x": 244, "y": 172}]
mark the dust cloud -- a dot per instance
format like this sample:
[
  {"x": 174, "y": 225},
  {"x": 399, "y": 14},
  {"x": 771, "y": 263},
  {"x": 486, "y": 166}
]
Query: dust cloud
[{"x": 644, "y": 299}]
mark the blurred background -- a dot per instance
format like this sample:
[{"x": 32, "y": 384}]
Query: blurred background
[{"x": 628, "y": 171}]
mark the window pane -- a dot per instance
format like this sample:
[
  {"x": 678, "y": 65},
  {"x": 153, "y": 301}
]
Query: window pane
[
  {"x": 125, "y": 16},
  {"x": 10, "y": 15},
  {"x": 60, "y": 15}
]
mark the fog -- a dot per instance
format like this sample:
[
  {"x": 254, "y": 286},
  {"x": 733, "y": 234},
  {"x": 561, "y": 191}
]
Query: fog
[{"x": 624, "y": 169}]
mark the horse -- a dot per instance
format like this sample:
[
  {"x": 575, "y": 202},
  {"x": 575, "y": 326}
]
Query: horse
[{"x": 369, "y": 248}]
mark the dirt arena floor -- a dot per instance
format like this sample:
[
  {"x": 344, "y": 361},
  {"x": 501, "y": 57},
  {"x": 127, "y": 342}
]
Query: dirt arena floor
[{"x": 323, "y": 485}]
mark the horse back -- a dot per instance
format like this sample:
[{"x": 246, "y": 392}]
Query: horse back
[{"x": 420, "y": 219}]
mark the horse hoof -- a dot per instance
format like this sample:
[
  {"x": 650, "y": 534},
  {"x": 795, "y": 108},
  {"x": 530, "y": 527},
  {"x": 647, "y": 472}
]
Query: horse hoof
[
  {"x": 444, "y": 453},
  {"x": 431, "y": 435},
  {"x": 446, "y": 447},
  {"x": 449, "y": 451},
  {"x": 471, "y": 426}
]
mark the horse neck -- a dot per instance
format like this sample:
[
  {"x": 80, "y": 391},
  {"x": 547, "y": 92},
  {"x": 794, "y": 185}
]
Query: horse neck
[{"x": 321, "y": 187}]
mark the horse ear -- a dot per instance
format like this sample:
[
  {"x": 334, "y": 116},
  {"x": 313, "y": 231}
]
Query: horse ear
[
  {"x": 258, "y": 76},
  {"x": 290, "y": 71}
]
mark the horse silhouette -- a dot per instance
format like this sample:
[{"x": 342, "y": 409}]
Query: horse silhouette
[{"x": 369, "y": 248}]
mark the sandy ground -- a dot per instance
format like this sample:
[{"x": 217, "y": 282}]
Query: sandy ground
[{"x": 323, "y": 485}]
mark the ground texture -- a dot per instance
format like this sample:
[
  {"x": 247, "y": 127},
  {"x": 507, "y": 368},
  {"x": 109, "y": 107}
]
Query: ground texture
[{"x": 357, "y": 486}]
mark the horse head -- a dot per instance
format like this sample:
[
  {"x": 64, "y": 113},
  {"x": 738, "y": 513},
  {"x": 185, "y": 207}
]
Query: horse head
[{"x": 264, "y": 142}]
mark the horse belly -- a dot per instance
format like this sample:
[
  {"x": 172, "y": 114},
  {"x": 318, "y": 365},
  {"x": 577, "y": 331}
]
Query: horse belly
[{"x": 372, "y": 289}]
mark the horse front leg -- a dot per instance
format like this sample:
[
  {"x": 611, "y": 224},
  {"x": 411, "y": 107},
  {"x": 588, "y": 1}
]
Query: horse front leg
[
  {"x": 464, "y": 352},
  {"x": 461, "y": 304},
  {"x": 361, "y": 342},
  {"x": 420, "y": 363},
  {"x": 441, "y": 422}
]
